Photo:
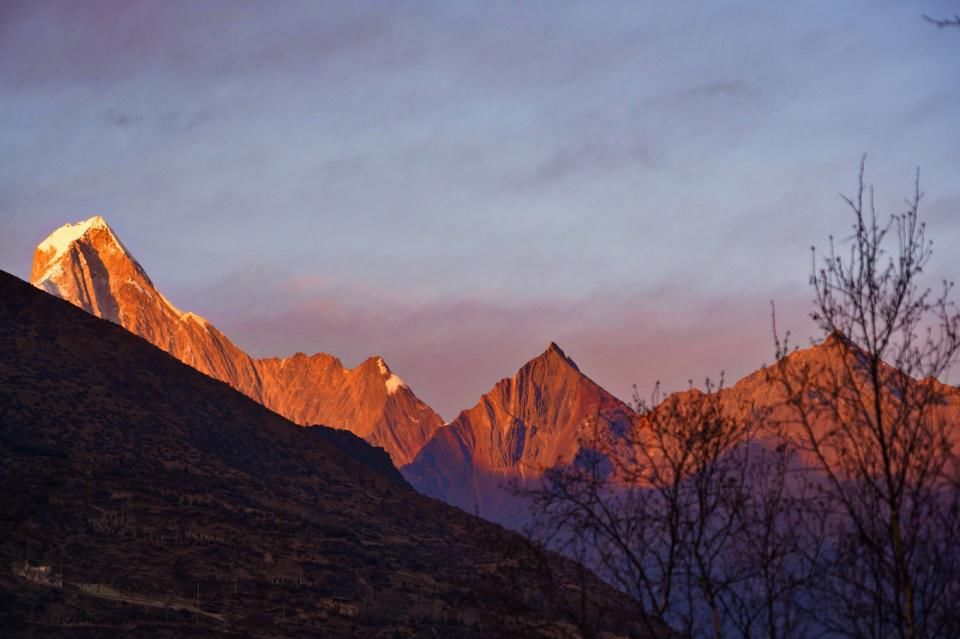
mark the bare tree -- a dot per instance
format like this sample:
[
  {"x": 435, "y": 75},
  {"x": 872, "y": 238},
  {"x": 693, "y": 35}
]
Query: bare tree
[
  {"x": 875, "y": 426},
  {"x": 833, "y": 510},
  {"x": 683, "y": 511},
  {"x": 940, "y": 23}
]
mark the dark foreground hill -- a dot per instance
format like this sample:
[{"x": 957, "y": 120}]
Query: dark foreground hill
[{"x": 140, "y": 497}]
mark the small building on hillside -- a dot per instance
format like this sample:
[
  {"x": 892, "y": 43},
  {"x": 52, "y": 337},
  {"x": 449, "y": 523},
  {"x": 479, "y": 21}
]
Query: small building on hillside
[{"x": 40, "y": 574}]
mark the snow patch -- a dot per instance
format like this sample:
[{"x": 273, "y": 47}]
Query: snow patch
[
  {"x": 393, "y": 384},
  {"x": 185, "y": 316},
  {"x": 170, "y": 305},
  {"x": 202, "y": 321},
  {"x": 134, "y": 284},
  {"x": 49, "y": 287},
  {"x": 61, "y": 239},
  {"x": 53, "y": 271}
]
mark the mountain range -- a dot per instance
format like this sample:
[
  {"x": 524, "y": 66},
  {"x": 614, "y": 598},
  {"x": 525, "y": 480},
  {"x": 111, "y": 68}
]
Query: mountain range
[
  {"x": 144, "y": 478},
  {"x": 522, "y": 426},
  {"x": 142, "y": 498},
  {"x": 87, "y": 264}
]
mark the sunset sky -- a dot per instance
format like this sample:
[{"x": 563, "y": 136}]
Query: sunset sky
[{"x": 453, "y": 185}]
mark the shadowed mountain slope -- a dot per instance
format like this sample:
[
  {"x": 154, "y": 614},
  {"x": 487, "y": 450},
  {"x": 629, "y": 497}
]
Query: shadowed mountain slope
[{"x": 164, "y": 503}]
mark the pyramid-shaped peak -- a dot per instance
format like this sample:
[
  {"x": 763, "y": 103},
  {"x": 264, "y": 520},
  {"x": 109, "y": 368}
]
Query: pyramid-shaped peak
[
  {"x": 838, "y": 342},
  {"x": 93, "y": 232},
  {"x": 837, "y": 338},
  {"x": 555, "y": 355},
  {"x": 61, "y": 239},
  {"x": 375, "y": 363},
  {"x": 63, "y": 236},
  {"x": 836, "y": 348}
]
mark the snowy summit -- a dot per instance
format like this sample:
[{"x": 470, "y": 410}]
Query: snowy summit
[{"x": 393, "y": 382}]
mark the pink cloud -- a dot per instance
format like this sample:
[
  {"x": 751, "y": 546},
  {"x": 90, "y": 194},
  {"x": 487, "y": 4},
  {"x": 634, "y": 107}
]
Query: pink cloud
[{"x": 102, "y": 41}]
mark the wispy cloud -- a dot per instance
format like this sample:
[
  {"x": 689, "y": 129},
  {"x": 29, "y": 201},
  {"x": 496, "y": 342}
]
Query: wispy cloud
[
  {"x": 164, "y": 122},
  {"x": 731, "y": 90},
  {"x": 587, "y": 157}
]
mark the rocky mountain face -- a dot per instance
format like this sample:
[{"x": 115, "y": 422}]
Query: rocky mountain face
[
  {"x": 548, "y": 413},
  {"x": 87, "y": 265},
  {"x": 835, "y": 372},
  {"x": 142, "y": 498},
  {"x": 525, "y": 424},
  {"x": 522, "y": 426},
  {"x": 538, "y": 418}
]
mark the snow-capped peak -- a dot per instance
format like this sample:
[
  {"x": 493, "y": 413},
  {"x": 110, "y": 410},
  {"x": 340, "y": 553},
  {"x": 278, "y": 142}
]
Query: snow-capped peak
[
  {"x": 61, "y": 239},
  {"x": 392, "y": 382},
  {"x": 57, "y": 244}
]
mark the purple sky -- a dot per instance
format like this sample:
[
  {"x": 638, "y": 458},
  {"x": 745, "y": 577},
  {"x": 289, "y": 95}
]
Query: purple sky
[{"x": 453, "y": 185}]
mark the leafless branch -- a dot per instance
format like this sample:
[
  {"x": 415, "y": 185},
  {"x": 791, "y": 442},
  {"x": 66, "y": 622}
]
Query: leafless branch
[{"x": 943, "y": 22}]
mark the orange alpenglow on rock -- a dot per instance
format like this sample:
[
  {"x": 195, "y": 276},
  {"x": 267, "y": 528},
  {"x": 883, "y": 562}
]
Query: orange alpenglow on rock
[
  {"x": 545, "y": 415},
  {"x": 87, "y": 264},
  {"x": 525, "y": 424}
]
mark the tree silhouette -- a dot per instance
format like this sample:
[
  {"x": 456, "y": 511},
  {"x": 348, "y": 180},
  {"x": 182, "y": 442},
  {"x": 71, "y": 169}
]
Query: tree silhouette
[
  {"x": 874, "y": 424},
  {"x": 687, "y": 510},
  {"x": 943, "y": 22},
  {"x": 830, "y": 505}
]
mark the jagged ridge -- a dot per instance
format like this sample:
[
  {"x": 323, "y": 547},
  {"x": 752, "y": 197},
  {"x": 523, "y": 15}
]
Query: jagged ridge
[{"x": 86, "y": 264}]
